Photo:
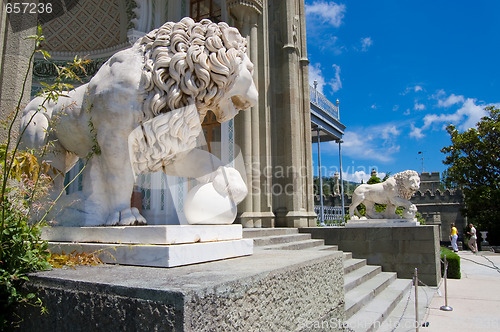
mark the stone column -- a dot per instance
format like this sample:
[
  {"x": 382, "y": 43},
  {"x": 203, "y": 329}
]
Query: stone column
[
  {"x": 293, "y": 205},
  {"x": 14, "y": 62},
  {"x": 255, "y": 210}
]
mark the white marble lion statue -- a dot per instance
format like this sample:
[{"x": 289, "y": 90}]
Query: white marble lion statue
[
  {"x": 142, "y": 112},
  {"x": 395, "y": 191}
]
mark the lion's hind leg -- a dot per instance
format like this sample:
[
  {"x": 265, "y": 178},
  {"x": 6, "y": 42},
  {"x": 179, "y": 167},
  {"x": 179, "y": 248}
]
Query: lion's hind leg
[
  {"x": 370, "y": 211},
  {"x": 390, "y": 212}
]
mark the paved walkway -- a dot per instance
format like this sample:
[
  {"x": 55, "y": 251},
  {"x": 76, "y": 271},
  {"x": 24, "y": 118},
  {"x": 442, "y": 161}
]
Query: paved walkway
[{"x": 475, "y": 298}]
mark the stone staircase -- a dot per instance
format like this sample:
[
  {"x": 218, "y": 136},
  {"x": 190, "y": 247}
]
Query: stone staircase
[
  {"x": 370, "y": 294},
  {"x": 283, "y": 239}
]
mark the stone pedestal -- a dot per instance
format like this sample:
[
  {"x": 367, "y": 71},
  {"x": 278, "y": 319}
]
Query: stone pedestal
[
  {"x": 381, "y": 223},
  {"x": 273, "y": 290},
  {"x": 396, "y": 249},
  {"x": 156, "y": 246}
]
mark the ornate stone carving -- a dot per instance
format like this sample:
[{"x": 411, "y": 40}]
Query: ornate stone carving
[
  {"x": 395, "y": 191},
  {"x": 142, "y": 111},
  {"x": 253, "y": 4},
  {"x": 88, "y": 26}
]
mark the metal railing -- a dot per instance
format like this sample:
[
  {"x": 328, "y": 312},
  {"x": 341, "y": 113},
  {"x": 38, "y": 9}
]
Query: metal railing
[
  {"x": 332, "y": 215},
  {"x": 320, "y": 101}
]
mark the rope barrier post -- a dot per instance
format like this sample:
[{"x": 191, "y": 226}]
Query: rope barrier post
[
  {"x": 446, "y": 307},
  {"x": 417, "y": 324}
]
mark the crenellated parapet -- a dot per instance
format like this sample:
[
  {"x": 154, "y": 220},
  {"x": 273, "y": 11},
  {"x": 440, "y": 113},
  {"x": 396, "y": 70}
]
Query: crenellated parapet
[{"x": 438, "y": 196}]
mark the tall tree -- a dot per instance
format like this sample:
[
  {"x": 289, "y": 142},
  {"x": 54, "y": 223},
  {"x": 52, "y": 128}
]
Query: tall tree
[{"x": 474, "y": 166}]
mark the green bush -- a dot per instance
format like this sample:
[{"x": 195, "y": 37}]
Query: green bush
[
  {"x": 453, "y": 263},
  {"x": 22, "y": 252}
]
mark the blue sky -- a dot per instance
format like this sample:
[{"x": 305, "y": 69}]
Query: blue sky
[{"x": 402, "y": 71}]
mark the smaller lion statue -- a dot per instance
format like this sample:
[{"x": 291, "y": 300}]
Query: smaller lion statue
[{"x": 395, "y": 191}]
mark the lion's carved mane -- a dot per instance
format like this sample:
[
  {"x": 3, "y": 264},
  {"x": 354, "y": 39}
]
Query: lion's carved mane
[
  {"x": 402, "y": 179},
  {"x": 189, "y": 63}
]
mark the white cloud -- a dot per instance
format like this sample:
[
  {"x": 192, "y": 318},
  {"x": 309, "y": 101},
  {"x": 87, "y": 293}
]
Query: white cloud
[
  {"x": 467, "y": 116},
  {"x": 366, "y": 43},
  {"x": 336, "y": 83},
  {"x": 450, "y": 101},
  {"x": 388, "y": 131},
  {"x": 315, "y": 74},
  {"x": 416, "y": 132},
  {"x": 468, "y": 113},
  {"x": 416, "y": 88},
  {"x": 471, "y": 113},
  {"x": 377, "y": 143},
  {"x": 419, "y": 107},
  {"x": 328, "y": 12},
  {"x": 360, "y": 176}
]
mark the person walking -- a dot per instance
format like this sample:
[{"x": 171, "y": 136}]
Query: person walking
[
  {"x": 473, "y": 238},
  {"x": 454, "y": 237}
]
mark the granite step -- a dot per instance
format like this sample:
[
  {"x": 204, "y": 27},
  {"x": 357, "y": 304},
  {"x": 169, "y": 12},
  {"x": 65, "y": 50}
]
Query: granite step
[
  {"x": 353, "y": 264},
  {"x": 347, "y": 255},
  {"x": 359, "y": 276},
  {"x": 329, "y": 247},
  {"x": 372, "y": 315},
  {"x": 283, "y": 239},
  {"x": 297, "y": 245},
  {"x": 364, "y": 293},
  {"x": 261, "y": 232},
  {"x": 279, "y": 239}
]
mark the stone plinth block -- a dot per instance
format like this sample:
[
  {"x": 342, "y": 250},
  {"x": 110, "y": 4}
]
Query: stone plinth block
[
  {"x": 382, "y": 223},
  {"x": 155, "y": 246},
  {"x": 160, "y": 255},
  {"x": 161, "y": 234}
]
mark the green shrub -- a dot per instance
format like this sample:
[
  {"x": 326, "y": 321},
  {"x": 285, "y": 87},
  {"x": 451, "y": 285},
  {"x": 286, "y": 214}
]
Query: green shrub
[
  {"x": 22, "y": 252},
  {"x": 453, "y": 263}
]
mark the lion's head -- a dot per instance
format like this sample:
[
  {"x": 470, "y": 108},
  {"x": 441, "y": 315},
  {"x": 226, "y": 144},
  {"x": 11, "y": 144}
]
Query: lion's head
[
  {"x": 201, "y": 63},
  {"x": 408, "y": 182}
]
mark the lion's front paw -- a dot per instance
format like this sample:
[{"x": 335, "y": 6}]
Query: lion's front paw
[
  {"x": 228, "y": 181},
  {"x": 126, "y": 217}
]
